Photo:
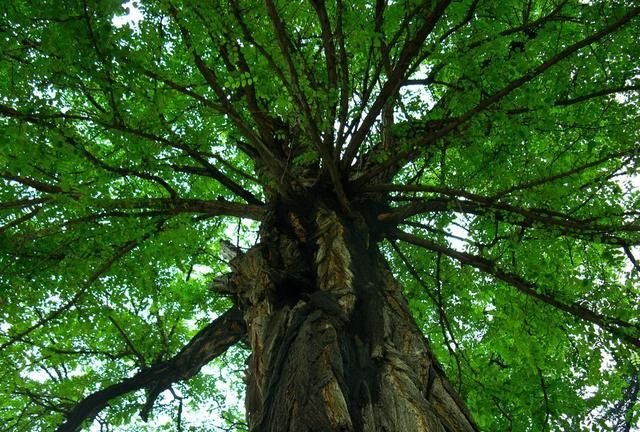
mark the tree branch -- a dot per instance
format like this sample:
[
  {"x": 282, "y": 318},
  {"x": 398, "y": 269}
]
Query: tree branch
[
  {"x": 20, "y": 220},
  {"x": 331, "y": 62},
  {"x": 179, "y": 88},
  {"x": 632, "y": 258},
  {"x": 41, "y": 119},
  {"x": 445, "y": 325},
  {"x": 582, "y": 98},
  {"x": 206, "y": 345},
  {"x": 441, "y": 128},
  {"x": 35, "y": 184},
  {"x": 134, "y": 350},
  {"x": 264, "y": 122},
  {"x": 561, "y": 175},
  {"x": 525, "y": 217},
  {"x": 120, "y": 170},
  {"x": 185, "y": 205},
  {"x": 527, "y": 26},
  {"x": 22, "y": 203},
  {"x": 103, "y": 268},
  {"x": 343, "y": 59},
  {"x": 274, "y": 163},
  {"x": 535, "y": 72},
  {"x": 614, "y": 326},
  {"x": 466, "y": 20},
  {"x": 324, "y": 147},
  {"x": 408, "y": 53}
]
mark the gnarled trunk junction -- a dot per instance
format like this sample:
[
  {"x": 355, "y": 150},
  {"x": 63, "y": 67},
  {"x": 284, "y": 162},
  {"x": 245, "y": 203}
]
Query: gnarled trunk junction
[{"x": 334, "y": 346}]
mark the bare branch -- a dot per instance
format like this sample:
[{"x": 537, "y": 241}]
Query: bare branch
[{"x": 7, "y": 111}]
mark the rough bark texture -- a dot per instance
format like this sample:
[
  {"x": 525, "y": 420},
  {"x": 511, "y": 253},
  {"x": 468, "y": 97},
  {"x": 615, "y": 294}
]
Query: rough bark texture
[{"x": 334, "y": 346}]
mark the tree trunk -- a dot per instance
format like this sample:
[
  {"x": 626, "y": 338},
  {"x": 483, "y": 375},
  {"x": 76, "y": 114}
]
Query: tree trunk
[{"x": 334, "y": 346}]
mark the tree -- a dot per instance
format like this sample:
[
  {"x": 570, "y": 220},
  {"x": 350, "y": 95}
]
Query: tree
[{"x": 454, "y": 171}]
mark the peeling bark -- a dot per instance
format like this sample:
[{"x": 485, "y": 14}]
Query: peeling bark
[{"x": 334, "y": 346}]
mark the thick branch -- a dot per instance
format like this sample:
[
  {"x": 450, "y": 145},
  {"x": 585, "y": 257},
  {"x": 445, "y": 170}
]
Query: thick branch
[
  {"x": 210, "y": 207},
  {"x": 209, "y": 343},
  {"x": 225, "y": 42},
  {"x": 331, "y": 64},
  {"x": 324, "y": 147},
  {"x": 344, "y": 75},
  {"x": 327, "y": 42}
]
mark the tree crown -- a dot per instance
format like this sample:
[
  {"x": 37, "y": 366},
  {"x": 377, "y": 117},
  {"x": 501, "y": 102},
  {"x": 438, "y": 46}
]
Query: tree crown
[{"x": 490, "y": 147}]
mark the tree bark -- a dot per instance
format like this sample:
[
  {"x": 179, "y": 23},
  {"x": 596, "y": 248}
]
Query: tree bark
[{"x": 334, "y": 345}]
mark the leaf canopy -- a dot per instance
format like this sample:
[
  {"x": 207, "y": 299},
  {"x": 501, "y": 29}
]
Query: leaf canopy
[{"x": 498, "y": 139}]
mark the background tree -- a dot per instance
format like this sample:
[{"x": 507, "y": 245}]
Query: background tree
[{"x": 481, "y": 152}]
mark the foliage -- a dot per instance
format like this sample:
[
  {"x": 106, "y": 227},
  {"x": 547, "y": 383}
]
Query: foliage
[{"x": 499, "y": 140}]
